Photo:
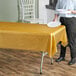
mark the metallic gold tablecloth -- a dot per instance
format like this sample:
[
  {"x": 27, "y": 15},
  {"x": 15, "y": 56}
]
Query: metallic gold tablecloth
[{"x": 33, "y": 37}]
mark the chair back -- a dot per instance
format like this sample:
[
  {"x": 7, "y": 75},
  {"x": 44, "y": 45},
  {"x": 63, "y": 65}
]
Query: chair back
[{"x": 26, "y": 9}]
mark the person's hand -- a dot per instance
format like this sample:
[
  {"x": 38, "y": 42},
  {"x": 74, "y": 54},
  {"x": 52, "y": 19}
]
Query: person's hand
[
  {"x": 54, "y": 19},
  {"x": 72, "y": 11}
]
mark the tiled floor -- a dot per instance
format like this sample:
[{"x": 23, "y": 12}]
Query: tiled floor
[{"x": 26, "y": 63}]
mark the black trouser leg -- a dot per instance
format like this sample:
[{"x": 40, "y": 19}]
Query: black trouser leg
[
  {"x": 72, "y": 44},
  {"x": 63, "y": 51},
  {"x": 70, "y": 24}
]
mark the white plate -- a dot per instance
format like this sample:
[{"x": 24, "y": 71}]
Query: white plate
[
  {"x": 54, "y": 24},
  {"x": 63, "y": 11}
]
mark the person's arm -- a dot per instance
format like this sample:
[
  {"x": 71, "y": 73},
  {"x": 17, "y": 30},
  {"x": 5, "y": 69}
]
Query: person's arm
[
  {"x": 56, "y": 17},
  {"x": 74, "y": 10},
  {"x": 56, "y": 13}
]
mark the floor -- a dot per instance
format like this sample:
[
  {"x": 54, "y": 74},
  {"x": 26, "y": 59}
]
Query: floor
[{"x": 25, "y": 63}]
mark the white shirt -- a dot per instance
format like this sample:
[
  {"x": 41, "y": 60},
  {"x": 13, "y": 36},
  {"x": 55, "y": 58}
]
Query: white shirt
[{"x": 67, "y": 5}]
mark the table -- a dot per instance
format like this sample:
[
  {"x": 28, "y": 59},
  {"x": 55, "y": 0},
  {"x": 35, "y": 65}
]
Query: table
[{"x": 32, "y": 37}]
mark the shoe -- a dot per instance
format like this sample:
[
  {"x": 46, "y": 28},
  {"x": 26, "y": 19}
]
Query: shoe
[
  {"x": 73, "y": 61},
  {"x": 60, "y": 59}
]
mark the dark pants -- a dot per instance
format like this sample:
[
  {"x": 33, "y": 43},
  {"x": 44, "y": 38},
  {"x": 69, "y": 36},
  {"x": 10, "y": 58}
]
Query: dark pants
[{"x": 70, "y": 24}]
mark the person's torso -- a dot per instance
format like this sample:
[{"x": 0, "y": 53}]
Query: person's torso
[{"x": 67, "y": 5}]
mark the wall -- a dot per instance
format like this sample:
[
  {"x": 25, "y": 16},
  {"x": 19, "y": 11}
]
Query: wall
[
  {"x": 50, "y": 15},
  {"x": 8, "y": 10},
  {"x": 46, "y": 14},
  {"x": 43, "y": 10}
]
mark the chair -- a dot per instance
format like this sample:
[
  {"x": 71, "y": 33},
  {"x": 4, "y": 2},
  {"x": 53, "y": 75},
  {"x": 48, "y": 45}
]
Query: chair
[{"x": 26, "y": 11}]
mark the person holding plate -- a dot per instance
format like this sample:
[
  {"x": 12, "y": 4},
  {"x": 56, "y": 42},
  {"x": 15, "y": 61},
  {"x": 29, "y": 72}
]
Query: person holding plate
[{"x": 66, "y": 10}]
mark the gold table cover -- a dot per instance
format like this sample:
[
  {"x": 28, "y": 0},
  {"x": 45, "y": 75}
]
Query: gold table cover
[{"x": 33, "y": 37}]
